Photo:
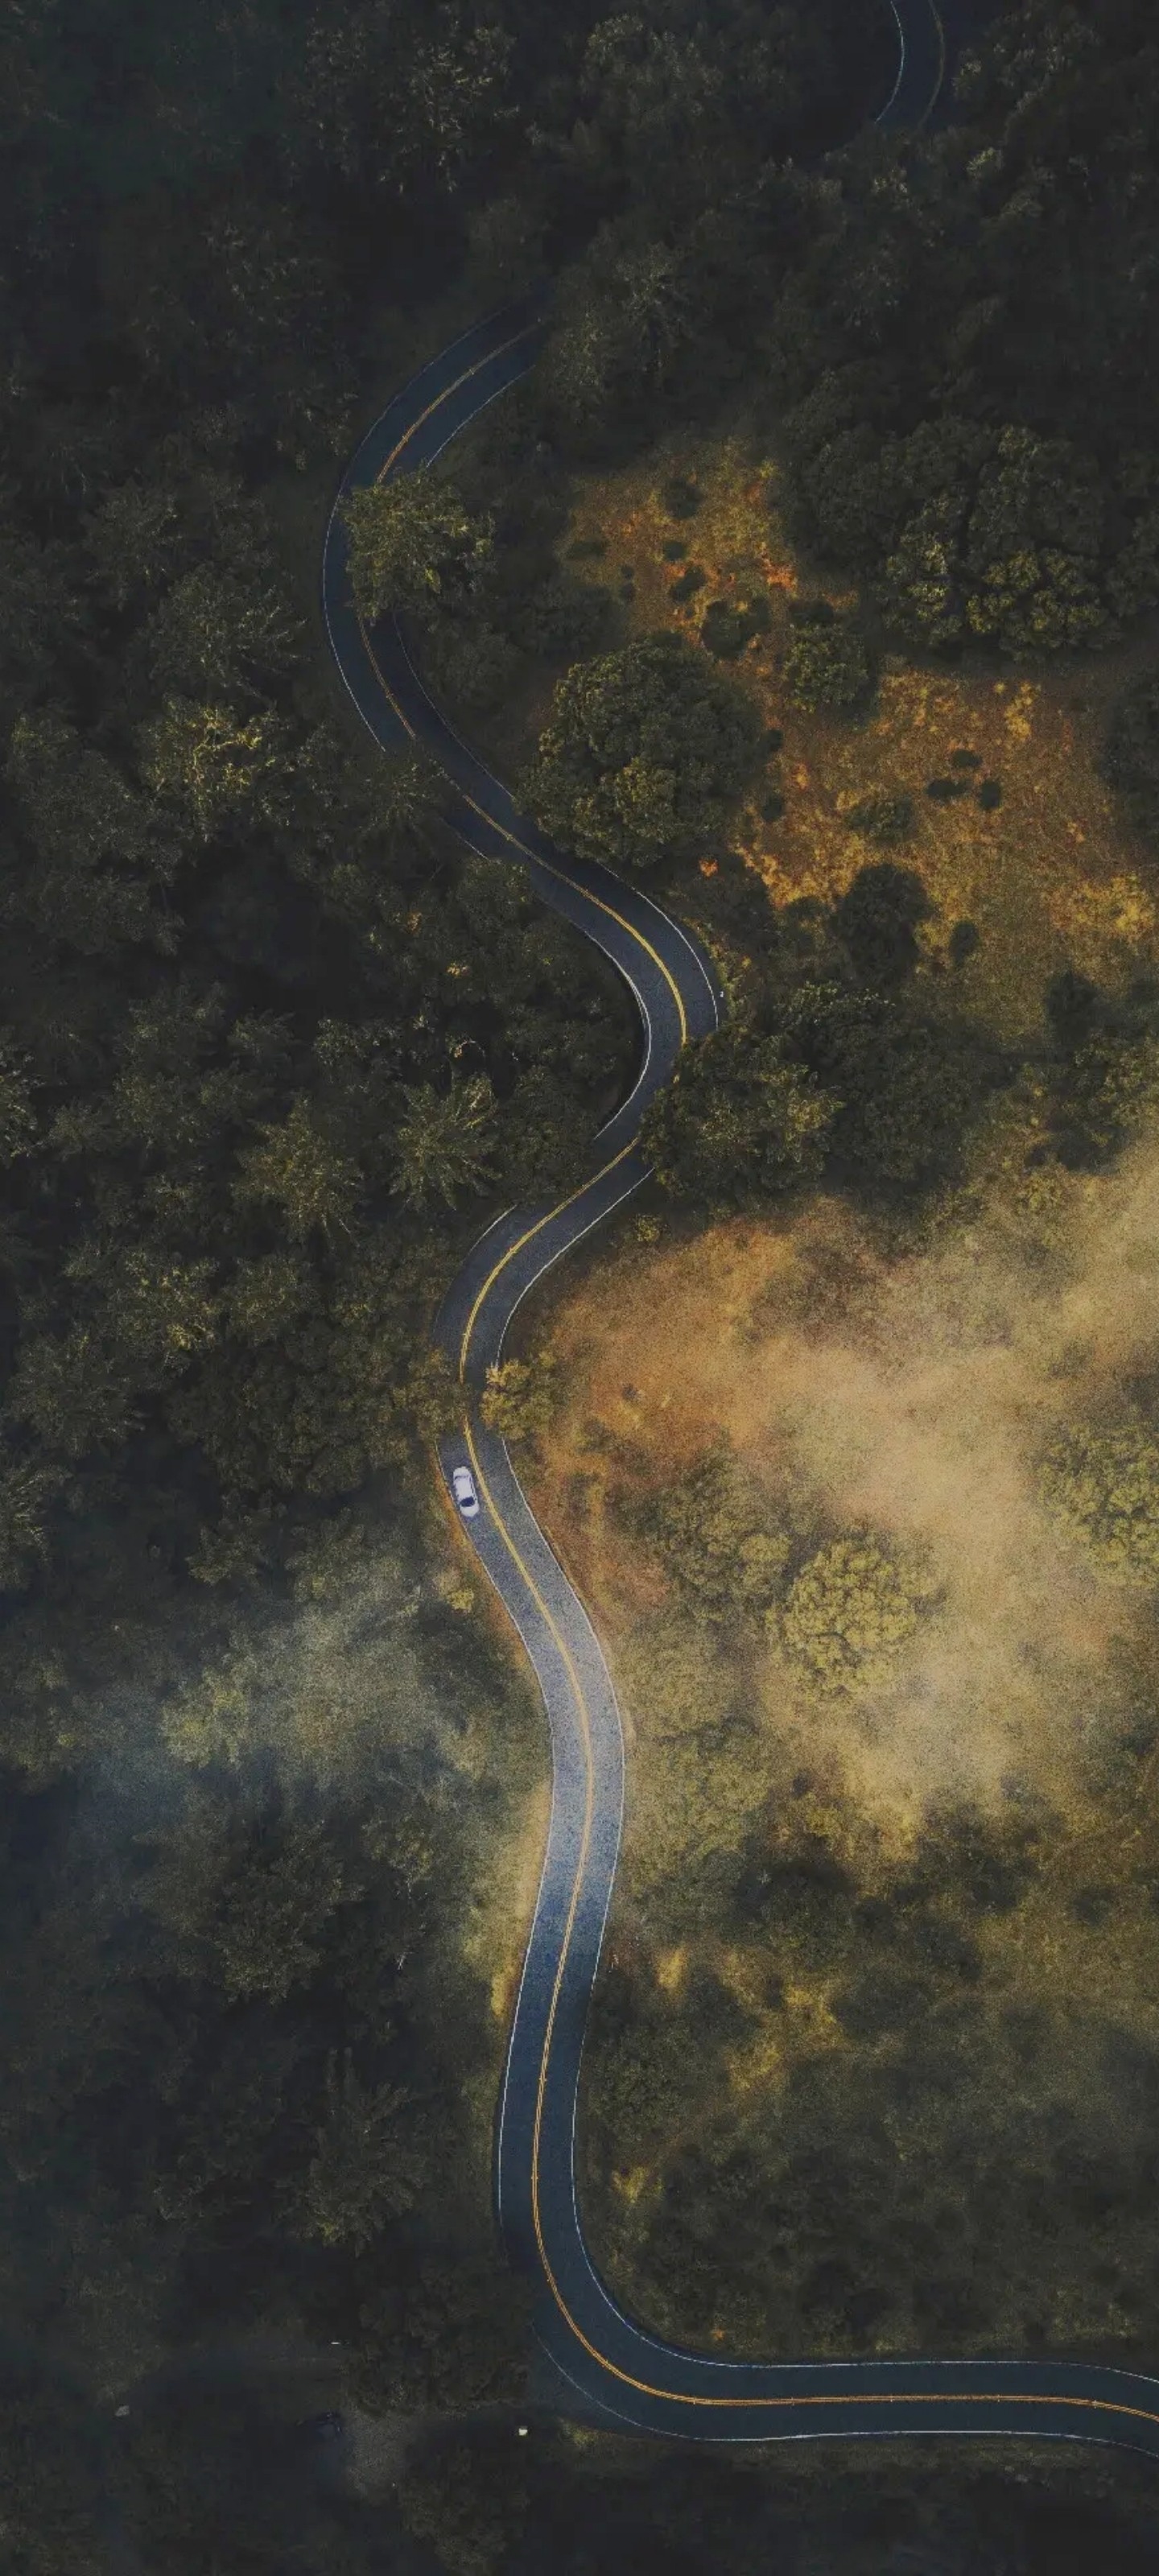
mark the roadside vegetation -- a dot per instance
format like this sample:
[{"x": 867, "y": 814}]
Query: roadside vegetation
[
  {"x": 866, "y": 1518},
  {"x": 811, "y": 578}
]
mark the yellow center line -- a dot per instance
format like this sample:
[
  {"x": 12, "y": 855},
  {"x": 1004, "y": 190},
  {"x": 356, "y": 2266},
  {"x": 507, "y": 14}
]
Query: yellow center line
[
  {"x": 524, "y": 847},
  {"x": 532, "y": 1231},
  {"x": 432, "y": 407},
  {"x": 929, "y": 2397},
  {"x": 477, "y": 364},
  {"x": 870, "y": 2397}
]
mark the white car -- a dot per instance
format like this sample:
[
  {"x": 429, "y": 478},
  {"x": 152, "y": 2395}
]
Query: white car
[{"x": 466, "y": 1497}]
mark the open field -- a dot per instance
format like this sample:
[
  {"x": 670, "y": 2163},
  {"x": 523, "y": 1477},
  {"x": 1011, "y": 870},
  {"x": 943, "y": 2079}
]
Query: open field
[
  {"x": 879, "y": 1959},
  {"x": 1049, "y": 877},
  {"x": 875, "y": 2053}
]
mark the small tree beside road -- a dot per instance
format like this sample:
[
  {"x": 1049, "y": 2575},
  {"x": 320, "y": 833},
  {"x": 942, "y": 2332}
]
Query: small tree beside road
[{"x": 412, "y": 541}]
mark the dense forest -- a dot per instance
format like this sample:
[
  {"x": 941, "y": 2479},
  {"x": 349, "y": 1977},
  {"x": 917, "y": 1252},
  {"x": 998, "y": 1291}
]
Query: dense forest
[{"x": 272, "y": 1050}]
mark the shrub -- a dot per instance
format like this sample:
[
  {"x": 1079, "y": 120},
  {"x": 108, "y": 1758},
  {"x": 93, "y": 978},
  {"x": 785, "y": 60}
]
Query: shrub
[
  {"x": 942, "y": 791},
  {"x": 706, "y": 1531},
  {"x": 687, "y": 582},
  {"x": 882, "y": 817},
  {"x": 1112, "y": 1088},
  {"x": 989, "y": 795},
  {"x": 727, "y": 628},
  {"x": 680, "y": 497},
  {"x": 674, "y": 550},
  {"x": 965, "y": 760},
  {"x": 965, "y": 940},
  {"x": 827, "y": 663},
  {"x": 1101, "y": 1486},
  {"x": 737, "y": 1123},
  {"x": 850, "y": 1613},
  {"x": 877, "y": 918},
  {"x": 642, "y": 754}
]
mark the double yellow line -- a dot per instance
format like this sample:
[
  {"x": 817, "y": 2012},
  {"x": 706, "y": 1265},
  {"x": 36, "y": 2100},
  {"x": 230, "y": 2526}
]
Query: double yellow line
[
  {"x": 523, "y": 848},
  {"x": 645, "y": 2388}
]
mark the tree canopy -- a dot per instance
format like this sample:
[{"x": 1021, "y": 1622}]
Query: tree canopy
[
  {"x": 737, "y": 1123},
  {"x": 1100, "y": 1483},
  {"x": 411, "y": 537},
  {"x": 850, "y": 1613},
  {"x": 643, "y": 753}
]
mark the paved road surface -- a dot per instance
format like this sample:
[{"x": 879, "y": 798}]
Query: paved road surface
[{"x": 614, "y": 2368}]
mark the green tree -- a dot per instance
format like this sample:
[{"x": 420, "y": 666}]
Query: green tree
[
  {"x": 204, "y": 2481},
  {"x": 158, "y": 1309},
  {"x": 468, "y": 2502},
  {"x": 28, "y": 1488},
  {"x": 429, "y": 1395},
  {"x": 827, "y": 662},
  {"x": 77, "y": 1390},
  {"x": 268, "y": 1294},
  {"x": 654, "y": 111},
  {"x": 908, "y": 1086},
  {"x": 725, "y": 1563},
  {"x": 217, "y": 634},
  {"x": 877, "y": 918},
  {"x": 412, "y": 539},
  {"x": 215, "y": 766},
  {"x": 300, "y": 1168},
  {"x": 401, "y": 103},
  {"x": 53, "y": 2509},
  {"x": 1032, "y": 554},
  {"x": 368, "y": 2163},
  {"x": 39, "y": 605},
  {"x": 250, "y": 1906},
  {"x": 624, "y": 318},
  {"x": 18, "y": 1123},
  {"x": 443, "y": 1142},
  {"x": 103, "y": 852},
  {"x": 454, "y": 2334},
  {"x": 738, "y": 1122},
  {"x": 1100, "y": 1484},
  {"x": 235, "y": 1547},
  {"x": 919, "y": 587},
  {"x": 137, "y": 542},
  {"x": 520, "y": 1398},
  {"x": 643, "y": 754},
  {"x": 850, "y": 1613}
]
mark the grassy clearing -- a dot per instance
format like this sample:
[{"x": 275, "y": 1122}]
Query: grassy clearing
[{"x": 1049, "y": 877}]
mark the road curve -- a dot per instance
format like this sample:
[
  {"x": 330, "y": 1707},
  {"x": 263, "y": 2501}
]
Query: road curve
[{"x": 627, "y": 2376}]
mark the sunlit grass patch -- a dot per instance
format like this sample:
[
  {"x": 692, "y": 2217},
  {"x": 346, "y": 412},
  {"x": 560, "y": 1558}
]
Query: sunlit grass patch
[{"x": 1025, "y": 846}]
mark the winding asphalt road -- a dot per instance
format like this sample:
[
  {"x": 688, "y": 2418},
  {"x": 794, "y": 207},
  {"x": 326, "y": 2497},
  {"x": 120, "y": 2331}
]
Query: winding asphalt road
[{"x": 618, "y": 2371}]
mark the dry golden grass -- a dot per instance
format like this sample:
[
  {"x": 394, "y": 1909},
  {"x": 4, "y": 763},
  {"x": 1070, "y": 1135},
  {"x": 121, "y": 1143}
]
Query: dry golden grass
[
  {"x": 909, "y": 1392},
  {"x": 912, "y": 1393},
  {"x": 1050, "y": 877}
]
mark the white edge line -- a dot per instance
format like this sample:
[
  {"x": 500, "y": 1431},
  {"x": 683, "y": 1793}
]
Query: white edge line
[
  {"x": 638, "y": 2334},
  {"x": 883, "y": 2433},
  {"x": 529, "y": 856},
  {"x": 898, "y": 22}
]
